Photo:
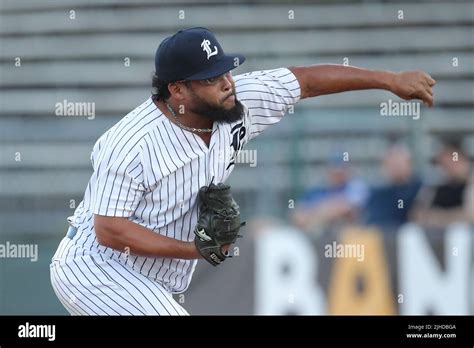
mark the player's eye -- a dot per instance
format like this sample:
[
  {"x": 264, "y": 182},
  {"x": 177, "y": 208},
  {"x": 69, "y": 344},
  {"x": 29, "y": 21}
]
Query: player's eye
[
  {"x": 211, "y": 81},
  {"x": 214, "y": 80}
]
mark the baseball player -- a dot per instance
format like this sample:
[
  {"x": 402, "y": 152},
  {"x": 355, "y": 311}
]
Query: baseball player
[{"x": 156, "y": 201}]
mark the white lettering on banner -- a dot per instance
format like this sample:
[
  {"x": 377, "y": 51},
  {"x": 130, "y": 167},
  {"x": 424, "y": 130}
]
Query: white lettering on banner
[
  {"x": 286, "y": 270},
  {"x": 426, "y": 286}
]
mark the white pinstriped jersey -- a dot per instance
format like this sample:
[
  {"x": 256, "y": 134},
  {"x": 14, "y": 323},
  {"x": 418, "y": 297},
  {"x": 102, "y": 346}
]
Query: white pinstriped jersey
[{"x": 148, "y": 169}]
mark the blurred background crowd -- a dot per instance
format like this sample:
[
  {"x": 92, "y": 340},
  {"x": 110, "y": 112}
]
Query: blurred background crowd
[{"x": 400, "y": 195}]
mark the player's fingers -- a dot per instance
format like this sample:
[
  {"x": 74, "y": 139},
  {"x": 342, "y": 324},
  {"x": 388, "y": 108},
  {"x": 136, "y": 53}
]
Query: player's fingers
[
  {"x": 429, "y": 90},
  {"x": 427, "y": 98},
  {"x": 431, "y": 81},
  {"x": 424, "y": 86}
]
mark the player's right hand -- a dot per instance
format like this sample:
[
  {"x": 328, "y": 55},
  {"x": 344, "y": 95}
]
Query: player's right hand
[{"x": 410, "y": 85}]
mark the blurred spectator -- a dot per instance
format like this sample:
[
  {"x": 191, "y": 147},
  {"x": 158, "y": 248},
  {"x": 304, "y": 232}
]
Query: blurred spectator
[
  {"x": 453, "y": 199},
  {"x": 388, "y": 204},
  {"x": 339, "y": 202}
]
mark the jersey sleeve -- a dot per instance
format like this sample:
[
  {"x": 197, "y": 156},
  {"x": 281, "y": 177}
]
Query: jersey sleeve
[
  {"x": 267, "y": 95},
  {"x": 119, "y": 184}
]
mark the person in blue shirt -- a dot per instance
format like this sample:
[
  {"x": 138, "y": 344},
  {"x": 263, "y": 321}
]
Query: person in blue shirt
[
  {"x": 337, "y": 203},
  {"x": 389, "y": 203}
]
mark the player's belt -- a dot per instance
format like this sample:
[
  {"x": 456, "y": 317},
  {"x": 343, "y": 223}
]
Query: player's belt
[{"x": 71, "y": 232}]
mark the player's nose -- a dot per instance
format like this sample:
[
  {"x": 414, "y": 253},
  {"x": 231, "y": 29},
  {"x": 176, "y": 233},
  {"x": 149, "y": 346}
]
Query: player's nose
[{"x": 227, "y": 82}]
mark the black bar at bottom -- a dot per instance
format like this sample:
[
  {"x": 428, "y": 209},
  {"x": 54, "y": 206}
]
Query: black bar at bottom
[{"x": 222, "y": 330}]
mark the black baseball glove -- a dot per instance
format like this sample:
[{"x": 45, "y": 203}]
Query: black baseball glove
[{"x": 218, "y": 222}]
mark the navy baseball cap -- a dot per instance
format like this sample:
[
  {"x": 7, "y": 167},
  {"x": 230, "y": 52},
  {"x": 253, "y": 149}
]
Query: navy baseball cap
[{"x": 193, "y": 54}]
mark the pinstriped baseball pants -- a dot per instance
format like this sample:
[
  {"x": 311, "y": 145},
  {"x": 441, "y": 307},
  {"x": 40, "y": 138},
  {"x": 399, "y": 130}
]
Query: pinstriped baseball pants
[{"x": 93, "y": 285}]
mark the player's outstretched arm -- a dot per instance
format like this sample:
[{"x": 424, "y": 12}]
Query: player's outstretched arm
[{"x": 324, "y": 79}]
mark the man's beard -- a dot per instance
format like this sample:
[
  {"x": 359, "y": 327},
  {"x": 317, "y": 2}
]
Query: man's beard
[{"x": 218, "y": 113}]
